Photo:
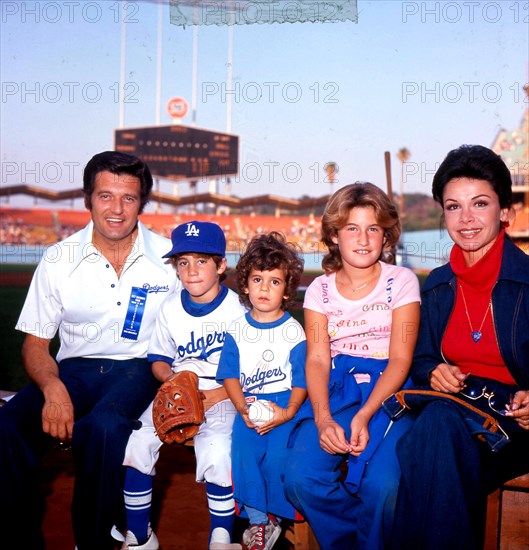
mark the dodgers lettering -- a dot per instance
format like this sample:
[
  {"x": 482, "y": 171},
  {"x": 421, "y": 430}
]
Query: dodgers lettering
[
  {"x": 202, "y": 344},
  {"x": 261, "y": 378}
]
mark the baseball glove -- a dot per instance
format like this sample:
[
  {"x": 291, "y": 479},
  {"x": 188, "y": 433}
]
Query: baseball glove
[{"x": 178, "y": 409}]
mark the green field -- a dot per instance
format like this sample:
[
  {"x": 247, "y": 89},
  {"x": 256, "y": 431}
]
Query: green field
[{"x": 12, "y": 376}]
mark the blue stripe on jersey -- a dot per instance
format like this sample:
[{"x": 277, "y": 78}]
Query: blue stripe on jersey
[{"x": 200, "y": 310}]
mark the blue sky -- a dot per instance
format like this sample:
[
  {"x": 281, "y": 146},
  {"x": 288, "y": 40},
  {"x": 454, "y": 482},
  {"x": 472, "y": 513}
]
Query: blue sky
[{"x": 423, "y": 75}]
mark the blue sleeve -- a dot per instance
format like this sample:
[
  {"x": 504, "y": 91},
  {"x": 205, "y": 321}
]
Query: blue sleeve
[
  {"x": 297, "y": 359},
  {"x": 229, "y": 363}
]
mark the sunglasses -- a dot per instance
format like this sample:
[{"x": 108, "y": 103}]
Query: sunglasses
[{"x": 497, "y": 404}]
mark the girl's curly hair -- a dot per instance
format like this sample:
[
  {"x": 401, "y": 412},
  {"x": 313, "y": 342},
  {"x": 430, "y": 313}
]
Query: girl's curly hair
[
  {"x": 360, "y": 194},
  {"x": 268, "y": 252}
]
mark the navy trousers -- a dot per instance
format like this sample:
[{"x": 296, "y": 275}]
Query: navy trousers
[
  {"x": 446, "y": 475},
  {"x": 108, "y": 396}
]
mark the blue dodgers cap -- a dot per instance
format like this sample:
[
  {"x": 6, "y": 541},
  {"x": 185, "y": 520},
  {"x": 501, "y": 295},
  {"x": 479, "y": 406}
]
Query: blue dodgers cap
[{"x": 199, "y": 237}]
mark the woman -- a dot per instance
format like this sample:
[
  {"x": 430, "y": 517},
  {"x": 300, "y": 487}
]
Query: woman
[{"x": 473, "y": 342}]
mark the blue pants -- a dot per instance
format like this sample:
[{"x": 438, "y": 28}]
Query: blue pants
[
  {"x": 108, "y": 396},
  {"x": 339, "y": 519},
  {"x": 446, "y": 476},
  {"x": 257, "y": 464}
]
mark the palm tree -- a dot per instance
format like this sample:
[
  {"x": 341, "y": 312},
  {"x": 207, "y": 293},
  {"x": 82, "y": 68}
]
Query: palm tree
[
  {"x": 331, "y": 169},
  {"x": 403, "y": 154}
]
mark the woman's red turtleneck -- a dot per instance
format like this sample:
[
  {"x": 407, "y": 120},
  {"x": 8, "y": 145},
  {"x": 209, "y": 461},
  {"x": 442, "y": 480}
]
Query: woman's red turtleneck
[{"x": 480, "y": 358}]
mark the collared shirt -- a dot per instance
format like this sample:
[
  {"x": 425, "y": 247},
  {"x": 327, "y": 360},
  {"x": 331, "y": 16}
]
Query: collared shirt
[{"x": 76, "y": 292}]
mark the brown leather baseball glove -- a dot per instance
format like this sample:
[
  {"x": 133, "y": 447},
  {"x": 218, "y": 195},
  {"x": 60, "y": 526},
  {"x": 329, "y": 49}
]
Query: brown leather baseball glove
[{"x": 178, "y": 408}]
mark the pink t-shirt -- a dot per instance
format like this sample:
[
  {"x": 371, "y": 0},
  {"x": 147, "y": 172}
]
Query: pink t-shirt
[{"x": 362, "y": 327}]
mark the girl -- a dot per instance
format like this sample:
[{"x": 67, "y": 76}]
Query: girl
[
  {"x": 361, "y": 319},
  {"x": 264, "y": 357}
]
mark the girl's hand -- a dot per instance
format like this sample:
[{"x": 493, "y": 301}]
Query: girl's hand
[
  {"x": 447, "y": 378},
  {"x": 519, "y": 409},
  {"x": 359, "y": 434},
  {"x": 332, "y": 438}
]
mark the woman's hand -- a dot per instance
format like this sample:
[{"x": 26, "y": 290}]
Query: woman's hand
[
  {"x": 447, "y": 378},
  {"x": 332, "y": 438},
  {"x": 519, "y": 409}
]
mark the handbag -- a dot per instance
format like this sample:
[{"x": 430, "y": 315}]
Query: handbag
[{"x": 483, "y": 425}]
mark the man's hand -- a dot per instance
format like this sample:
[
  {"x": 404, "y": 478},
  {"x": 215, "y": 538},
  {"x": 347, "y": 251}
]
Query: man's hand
[{"x": 57, "y": 413}]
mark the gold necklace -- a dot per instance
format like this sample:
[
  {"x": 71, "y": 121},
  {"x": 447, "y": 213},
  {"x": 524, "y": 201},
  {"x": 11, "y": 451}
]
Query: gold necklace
[
  {"x": 475, "y": 334},
  {"x": 353, "y": 290},
  {"x": 362, "y": 286}
]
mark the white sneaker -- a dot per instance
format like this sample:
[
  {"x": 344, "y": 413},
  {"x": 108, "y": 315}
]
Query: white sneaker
[
  {"x": 221, "y": 540},
  {"x": 132, "y": 542}
]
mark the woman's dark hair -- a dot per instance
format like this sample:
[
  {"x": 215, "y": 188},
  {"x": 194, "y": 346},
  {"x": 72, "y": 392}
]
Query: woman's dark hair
[
  {"x": 117, "y": 163},
  {"x": 357, "y": 195},
  {"x": 476, "y": 162},
  {"x": 268, "y": 252}
]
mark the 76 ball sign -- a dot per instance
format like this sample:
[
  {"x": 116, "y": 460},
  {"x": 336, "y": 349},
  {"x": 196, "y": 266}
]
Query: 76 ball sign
[{"x": 177, "y": 107}]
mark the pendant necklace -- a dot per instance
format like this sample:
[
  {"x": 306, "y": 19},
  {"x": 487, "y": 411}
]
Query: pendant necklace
[{"x": 475, "y": 334}]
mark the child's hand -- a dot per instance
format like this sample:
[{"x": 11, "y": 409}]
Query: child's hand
[
  {"x": 359, "y": 434},
  {"x": 244, "y": 413},
  {"x": 332, "y": 438},
  {"x": 280, "y": 417}
]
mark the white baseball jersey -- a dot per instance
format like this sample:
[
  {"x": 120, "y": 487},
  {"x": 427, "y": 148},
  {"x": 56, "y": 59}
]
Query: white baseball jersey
[
  {"x": 265, "y": 357},
  {"x": 190, "y": 336}
]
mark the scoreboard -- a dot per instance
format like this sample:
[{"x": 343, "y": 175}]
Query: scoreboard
[{"x": 181, "y": 152}]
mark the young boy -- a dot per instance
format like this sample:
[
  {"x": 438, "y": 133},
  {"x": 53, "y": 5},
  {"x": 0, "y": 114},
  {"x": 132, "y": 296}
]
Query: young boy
[
  {"x": 189, "y": 335},
  {"x": 264, "y": 359}
]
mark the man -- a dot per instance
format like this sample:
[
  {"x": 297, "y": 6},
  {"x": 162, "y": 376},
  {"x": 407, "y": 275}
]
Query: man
[{"x": 100, "y": 289}]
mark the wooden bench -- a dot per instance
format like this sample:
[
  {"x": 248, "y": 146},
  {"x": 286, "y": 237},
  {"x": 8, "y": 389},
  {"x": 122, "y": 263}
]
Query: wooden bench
[
  {"x": 301, "y": 537},
  {"x": 495, "y": 505}
]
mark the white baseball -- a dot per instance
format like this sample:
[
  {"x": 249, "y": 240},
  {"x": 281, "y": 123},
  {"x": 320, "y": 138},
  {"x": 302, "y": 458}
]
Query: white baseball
[{"x": 260, "y": 412}]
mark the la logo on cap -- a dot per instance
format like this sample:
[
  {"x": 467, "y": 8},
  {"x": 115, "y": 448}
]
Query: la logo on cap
[{"x": 191, "y": 230}]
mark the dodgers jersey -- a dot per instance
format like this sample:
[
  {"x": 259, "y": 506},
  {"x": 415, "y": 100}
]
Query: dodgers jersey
[
  {"x": 265, "y": 357},
  {"x": 190, "y": 336}
]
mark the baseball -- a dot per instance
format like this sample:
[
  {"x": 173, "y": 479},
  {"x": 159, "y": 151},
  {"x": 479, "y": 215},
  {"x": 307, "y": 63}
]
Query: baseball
[{"x": 260, "y": 412}]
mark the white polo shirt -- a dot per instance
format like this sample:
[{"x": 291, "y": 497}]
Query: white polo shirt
[{"x": 75, "y": 290}]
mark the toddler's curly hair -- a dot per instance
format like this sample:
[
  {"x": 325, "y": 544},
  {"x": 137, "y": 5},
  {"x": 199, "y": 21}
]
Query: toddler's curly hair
[{"x": 268, "y": 252}]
